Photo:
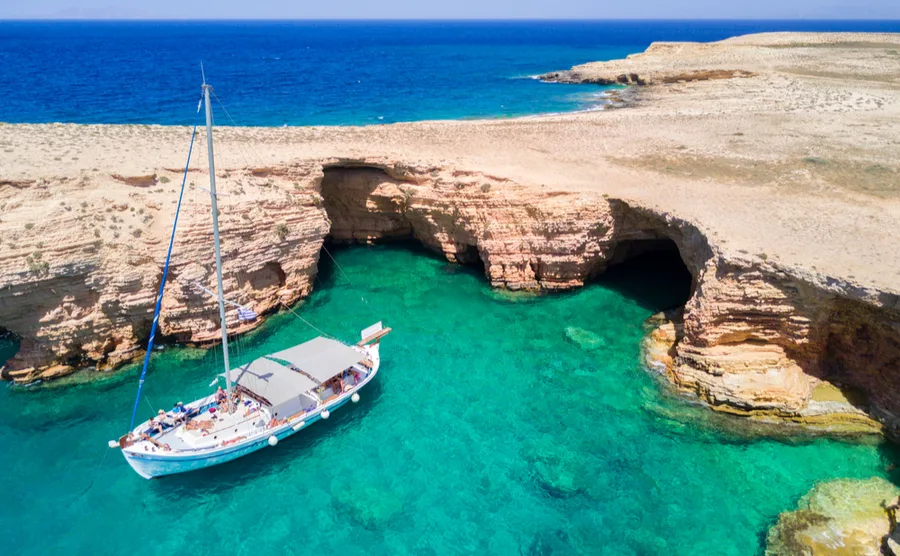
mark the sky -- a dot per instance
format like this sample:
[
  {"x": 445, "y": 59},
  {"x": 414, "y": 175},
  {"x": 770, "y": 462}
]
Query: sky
[{"x": 456, "y": 9}]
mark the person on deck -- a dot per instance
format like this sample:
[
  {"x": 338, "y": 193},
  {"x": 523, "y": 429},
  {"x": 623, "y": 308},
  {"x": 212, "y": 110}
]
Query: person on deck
[
  {"x": 154, "y": 426},
  {"x": 180, "y": 413},
  {"x": 222, "y": 399},
  {"x": 163, "y": 419},
  {"x": 274, "y": 422}
]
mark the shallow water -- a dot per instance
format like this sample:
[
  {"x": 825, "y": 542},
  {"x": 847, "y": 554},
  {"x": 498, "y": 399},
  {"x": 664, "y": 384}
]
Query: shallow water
[{"x": 488, "y": 430}]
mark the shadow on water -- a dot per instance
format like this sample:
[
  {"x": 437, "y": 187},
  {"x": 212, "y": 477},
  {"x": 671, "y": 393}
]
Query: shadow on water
[
  {"x": 652, "y": 274},
  {"x": 327, "y": 268},
  {"x": 9, "y": 346},
  {"x": 890, "y": 454},
  {"x": 330, "y": 276}
]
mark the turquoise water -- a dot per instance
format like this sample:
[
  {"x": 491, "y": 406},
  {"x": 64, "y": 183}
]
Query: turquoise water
[{"x": 487, "y": 431}]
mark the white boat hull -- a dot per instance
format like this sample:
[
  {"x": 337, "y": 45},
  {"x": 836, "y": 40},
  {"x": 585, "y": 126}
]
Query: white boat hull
[{"x": 160, "y": 463}]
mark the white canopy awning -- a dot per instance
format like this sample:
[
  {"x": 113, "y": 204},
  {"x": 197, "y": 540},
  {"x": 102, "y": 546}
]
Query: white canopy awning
[
  {"x": 280, "y": 386},
  {"x": 272, "y": 378},
  {"x": 321, "y": 358}
]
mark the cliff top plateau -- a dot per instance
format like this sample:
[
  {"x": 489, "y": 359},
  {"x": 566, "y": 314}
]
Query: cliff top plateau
[{"x": 778, "y": 146}]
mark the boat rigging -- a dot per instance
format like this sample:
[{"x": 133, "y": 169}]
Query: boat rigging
[{"x": 265, "y": 400}]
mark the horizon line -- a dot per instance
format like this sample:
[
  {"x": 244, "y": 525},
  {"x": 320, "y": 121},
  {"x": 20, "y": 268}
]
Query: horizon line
[{"x": 444, "y": 19}]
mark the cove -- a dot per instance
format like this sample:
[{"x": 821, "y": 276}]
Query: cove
[{"x": 501, "y": 424}]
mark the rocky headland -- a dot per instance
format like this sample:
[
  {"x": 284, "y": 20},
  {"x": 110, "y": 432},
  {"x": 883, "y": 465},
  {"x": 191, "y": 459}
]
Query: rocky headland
[{"x": 767, "y": 162}]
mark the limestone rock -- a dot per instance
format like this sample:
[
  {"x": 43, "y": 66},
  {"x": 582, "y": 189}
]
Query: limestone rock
[
  {"x": 92, "y": 302},
  {"x": 842, "y": 517},
  {"x": 755, "y": 338},
  {"x": 663, "y": 331}
]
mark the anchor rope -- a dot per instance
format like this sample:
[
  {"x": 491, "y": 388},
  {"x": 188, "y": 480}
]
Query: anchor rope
[
  {"x": 96, "y": 473},
  {"x": 162, "y": 284}
]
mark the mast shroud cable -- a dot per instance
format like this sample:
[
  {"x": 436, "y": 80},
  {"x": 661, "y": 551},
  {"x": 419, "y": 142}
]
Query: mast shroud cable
[{"x": 162, "y": 285}]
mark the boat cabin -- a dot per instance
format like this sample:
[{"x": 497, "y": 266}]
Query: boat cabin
[{"x": 300, "y": 378}]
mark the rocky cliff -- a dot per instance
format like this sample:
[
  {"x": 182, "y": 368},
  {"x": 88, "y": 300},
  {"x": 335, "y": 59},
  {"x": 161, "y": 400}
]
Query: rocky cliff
[
  {"x": 754, "y": 338},
  {"x": 79, "y": 276},
  {"x": 842, "y": 517}
]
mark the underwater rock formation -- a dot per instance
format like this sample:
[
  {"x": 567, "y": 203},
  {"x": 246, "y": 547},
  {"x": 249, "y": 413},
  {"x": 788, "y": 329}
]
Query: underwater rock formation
[
  {"x": 845, "y": 516},
  {"x": 585, "y": 339}
]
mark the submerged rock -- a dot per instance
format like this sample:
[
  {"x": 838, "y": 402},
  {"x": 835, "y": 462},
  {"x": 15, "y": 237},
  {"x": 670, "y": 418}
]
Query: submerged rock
[
  {"x": 585, "y": 339},
  {"x": 846, "y": 516},
  {"x": 369, "y": 506},
  {"x": 512, "y": 296},
  {"x": 548, "y": 543},
  {"x": 557, "y": 469}
]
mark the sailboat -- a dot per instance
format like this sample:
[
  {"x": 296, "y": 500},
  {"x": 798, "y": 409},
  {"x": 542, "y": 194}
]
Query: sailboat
[{"x": 264, "y": 401}]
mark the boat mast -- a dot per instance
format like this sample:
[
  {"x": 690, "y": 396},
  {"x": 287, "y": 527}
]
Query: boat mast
[{"x": 215, "y": 219}]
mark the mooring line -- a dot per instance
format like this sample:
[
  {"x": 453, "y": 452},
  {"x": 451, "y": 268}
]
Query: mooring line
[{"x": 96, "y": 473}]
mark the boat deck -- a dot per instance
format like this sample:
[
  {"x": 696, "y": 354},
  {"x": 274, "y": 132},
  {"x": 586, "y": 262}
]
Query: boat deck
[{"x": 212, "y": 428}]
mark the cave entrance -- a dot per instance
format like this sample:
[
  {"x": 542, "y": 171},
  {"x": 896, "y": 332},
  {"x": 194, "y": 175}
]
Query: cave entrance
[
  {"x": 9, "y": 346},
  {"x": 651, "y": 271},
  {"x": 365, "y": 205}
]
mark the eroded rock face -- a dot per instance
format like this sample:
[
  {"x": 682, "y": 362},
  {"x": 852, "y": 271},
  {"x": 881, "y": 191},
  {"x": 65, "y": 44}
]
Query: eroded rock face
[
  {"x": 526, "y": 237},
  {"x": 753, "y": 339},
  {"x": 760, "y": 341},
  {"x": 90, "y": 300},
  {"x": 846, "y": 516}
]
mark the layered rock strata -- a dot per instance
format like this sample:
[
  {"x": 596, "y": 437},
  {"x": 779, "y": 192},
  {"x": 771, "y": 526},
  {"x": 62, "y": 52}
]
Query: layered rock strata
[
  {"x": 78, "y": 282},
  {"x": 666, "y": 63},
  {"x": 754, "y": 339}
]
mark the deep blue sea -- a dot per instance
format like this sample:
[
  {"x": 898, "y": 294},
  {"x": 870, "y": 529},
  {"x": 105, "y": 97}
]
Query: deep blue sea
[{"x": 324, "y": 72}]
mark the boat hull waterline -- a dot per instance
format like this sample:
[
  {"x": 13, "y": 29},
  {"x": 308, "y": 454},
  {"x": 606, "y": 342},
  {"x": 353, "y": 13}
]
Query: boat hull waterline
[{"x": 151, "y": 465}]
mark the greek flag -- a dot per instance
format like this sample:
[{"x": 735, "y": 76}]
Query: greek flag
[{"x": 246, "y": 314}]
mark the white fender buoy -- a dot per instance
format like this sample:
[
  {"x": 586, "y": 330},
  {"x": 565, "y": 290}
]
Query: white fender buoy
[
  {"x": 354, "y": 398},
  {"x": 326, "y": 414},
  {"x": 273, "y": 440},
  {"x": 113, "y": 444},
  {"x": 299, "y": 426}
]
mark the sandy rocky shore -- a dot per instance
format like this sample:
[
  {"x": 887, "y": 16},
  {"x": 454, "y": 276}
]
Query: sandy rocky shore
[{"x": 769, "y": 161}]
